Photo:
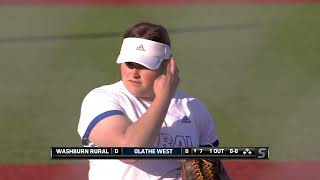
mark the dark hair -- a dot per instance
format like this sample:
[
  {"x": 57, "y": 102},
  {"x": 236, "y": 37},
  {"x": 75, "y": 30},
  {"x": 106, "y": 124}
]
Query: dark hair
[{"x": 150, "y": 31}]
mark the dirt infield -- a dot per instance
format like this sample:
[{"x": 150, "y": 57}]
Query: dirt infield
[
  {"x": 239, "y": 170},
  {"x": 133, "y": 2}
]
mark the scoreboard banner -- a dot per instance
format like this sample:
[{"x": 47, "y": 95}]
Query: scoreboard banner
[{"x": 159, "y": 153}]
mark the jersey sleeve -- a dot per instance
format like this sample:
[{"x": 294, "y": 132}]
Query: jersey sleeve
[
  {"x": 96, "y": 106},
  {"x": 206, "y": 125}
]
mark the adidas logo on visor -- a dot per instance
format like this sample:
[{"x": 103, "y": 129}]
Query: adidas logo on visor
[{"x": 140, "y": 48}]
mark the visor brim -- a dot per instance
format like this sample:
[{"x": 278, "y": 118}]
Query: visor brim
[{"x": 152, "y": 63}]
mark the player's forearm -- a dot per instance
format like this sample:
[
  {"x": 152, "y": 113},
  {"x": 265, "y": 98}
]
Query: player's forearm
[{"x": 144, "y": 131}]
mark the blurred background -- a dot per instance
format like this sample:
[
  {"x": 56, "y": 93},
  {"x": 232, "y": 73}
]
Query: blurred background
[{"x": 255, "y": 66}]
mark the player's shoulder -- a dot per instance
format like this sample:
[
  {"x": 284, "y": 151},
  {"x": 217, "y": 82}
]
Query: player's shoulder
[
  {"x": 186, "y": 101},
  {"x": 110, "y": 88},
  {"x": 105, "y": 91},
  {"x": 182, "y": 96},
  {"x": 193, "y": 107}
]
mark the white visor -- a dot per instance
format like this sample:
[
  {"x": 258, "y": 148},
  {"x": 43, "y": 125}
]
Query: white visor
[{"x": 144, "y": 52}]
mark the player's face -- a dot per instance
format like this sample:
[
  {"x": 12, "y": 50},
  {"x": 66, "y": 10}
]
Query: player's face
[{"x": 139, "y": 80}]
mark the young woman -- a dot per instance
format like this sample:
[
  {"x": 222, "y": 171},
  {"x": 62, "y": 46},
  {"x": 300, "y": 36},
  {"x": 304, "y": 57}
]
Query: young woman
[{"x": 143, "y": 109}]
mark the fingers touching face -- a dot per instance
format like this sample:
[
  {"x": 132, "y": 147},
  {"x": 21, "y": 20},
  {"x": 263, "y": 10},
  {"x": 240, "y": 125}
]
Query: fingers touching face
[
  {"x": 169, "y": 65},
  {"x": 139, "y": 80}
]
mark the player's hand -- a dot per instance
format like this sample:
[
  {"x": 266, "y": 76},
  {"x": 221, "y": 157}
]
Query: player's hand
[{"x": 166, "y": 84}]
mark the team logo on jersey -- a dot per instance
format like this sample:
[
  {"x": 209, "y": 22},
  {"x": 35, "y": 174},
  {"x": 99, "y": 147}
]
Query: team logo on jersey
[
  {"x": 170, "y": 140},
  {"x": 140, "y": 48},
  {"x": 185, "y": 119}
]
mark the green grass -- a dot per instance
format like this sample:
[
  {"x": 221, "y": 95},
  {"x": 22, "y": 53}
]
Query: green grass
[{"x": 255, "y": 66}]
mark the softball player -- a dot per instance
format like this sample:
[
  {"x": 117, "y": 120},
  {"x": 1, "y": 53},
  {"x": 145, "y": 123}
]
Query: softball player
[{"x": 143, "y": 109}]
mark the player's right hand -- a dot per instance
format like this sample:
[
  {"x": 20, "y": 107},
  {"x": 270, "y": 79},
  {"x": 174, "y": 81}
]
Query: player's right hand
[{"x": 166, "y": 84}]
